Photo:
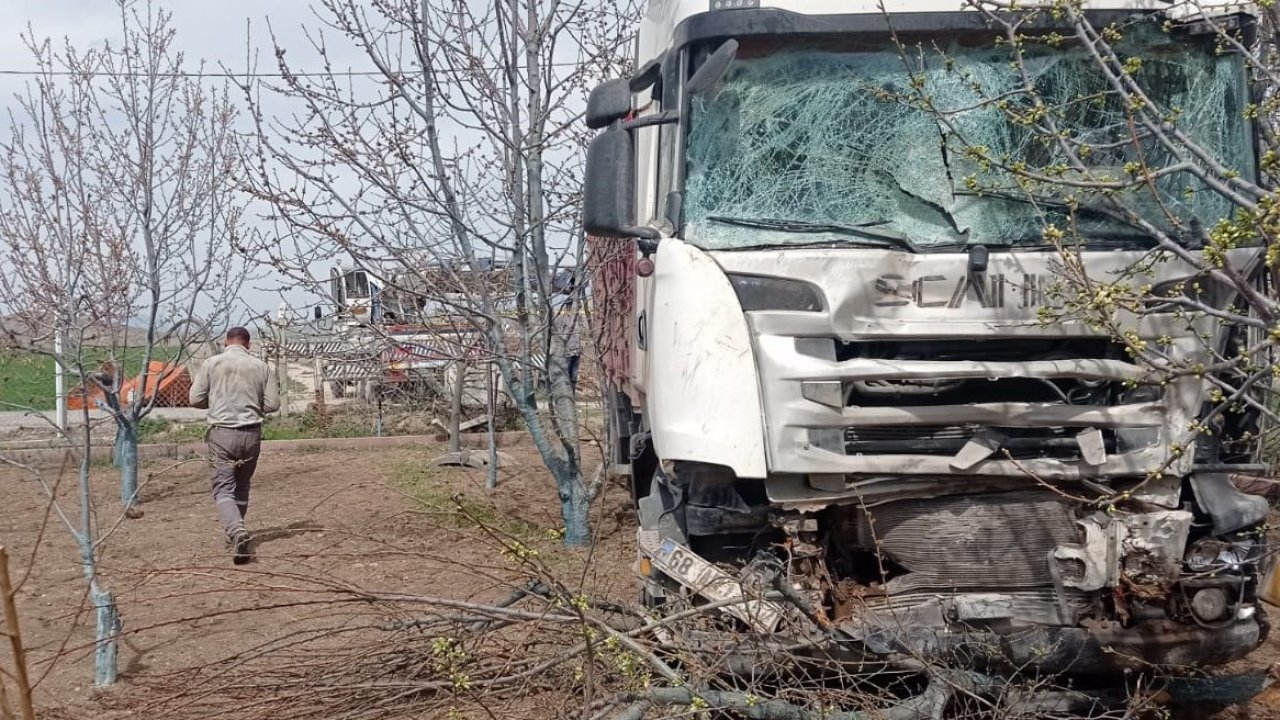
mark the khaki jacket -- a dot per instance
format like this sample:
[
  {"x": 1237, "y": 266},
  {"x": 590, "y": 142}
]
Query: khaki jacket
[{"x": 237, "y": 389}]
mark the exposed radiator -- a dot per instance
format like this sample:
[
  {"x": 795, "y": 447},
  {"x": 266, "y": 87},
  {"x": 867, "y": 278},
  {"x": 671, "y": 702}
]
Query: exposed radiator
[{"x": 976, "y": 541}]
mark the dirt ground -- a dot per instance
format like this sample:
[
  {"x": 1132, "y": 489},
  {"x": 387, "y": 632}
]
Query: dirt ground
[{"x": 373, "y": 520}]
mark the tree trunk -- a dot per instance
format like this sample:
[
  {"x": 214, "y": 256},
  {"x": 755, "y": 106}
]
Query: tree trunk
[
  {"x": 118, "y": 448},
  {"x": 106, "y": 638},
  {"x": 125, "y": 453},
  {"x": 455, "y": 407},
  {"x": 14, "y": 632},
  {"x": 558, "y": 452},
  {"x": 491, "y": 403},
  {"x": 127, "y": 461},
  {"x": 575, "y": 507},
  {"x": 108, "y": 617},
  {"x": 379, "y": 429},
  {"x": 575, "y": 500}
]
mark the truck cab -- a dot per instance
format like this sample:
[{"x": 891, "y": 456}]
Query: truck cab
[
  {"x": 838, "y": 360},
  {"x": 354, "y": 297}
]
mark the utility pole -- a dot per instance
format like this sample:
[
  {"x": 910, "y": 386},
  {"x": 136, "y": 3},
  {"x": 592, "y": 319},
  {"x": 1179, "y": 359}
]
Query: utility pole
[
  {"x": 59, "y": 381},
  {"x": 318, "y": 386}
]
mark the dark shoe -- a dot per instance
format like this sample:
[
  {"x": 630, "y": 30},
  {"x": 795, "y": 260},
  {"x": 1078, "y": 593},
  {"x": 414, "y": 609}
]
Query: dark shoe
[{"x": 240, "y": 548}]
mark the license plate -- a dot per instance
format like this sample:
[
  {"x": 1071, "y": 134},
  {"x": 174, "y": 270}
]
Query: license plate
[{"x": 690, "y": 570}]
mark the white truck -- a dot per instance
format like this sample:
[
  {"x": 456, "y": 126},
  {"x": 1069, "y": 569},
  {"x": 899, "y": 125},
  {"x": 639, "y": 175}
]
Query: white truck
[
  {"x": 354, "y": 295},
  {"x": 830, "y": 370},
  {"x": 403, "y": 329}
]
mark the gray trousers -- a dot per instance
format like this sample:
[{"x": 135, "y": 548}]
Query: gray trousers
[{"x": 235, "y": 457}]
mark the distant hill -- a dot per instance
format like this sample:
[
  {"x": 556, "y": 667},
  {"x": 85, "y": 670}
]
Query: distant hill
[{"x": 28, "y": 331}]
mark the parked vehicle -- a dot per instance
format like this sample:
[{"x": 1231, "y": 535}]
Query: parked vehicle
[{"x": 829, "y": 373}]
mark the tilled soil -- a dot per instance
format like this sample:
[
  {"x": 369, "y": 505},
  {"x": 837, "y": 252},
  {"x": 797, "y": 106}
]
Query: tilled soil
[
  {"x": 325, "y": 522},
  {"x": 373, "y": 520}
]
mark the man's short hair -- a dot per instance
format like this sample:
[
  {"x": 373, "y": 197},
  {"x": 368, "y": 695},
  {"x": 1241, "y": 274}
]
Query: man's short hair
[{"x": 238, "y": 334}]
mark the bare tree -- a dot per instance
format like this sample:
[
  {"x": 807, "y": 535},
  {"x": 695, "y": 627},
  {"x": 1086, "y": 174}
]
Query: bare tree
[
  {"x": 116, "y": 213},
  {"x": 83, "y": 524},
  {"x": 463, "y": 151}
]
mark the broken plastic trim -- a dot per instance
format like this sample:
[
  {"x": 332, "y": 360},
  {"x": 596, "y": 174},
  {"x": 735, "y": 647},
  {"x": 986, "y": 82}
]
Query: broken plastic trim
[{"x": 1229, "y": 508}]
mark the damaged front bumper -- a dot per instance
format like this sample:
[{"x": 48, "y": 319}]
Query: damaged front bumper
[
  {"x": 979, "y": 630},
  {"x": 999, "y": 580},
  {"x": 1000, "y": 632}
]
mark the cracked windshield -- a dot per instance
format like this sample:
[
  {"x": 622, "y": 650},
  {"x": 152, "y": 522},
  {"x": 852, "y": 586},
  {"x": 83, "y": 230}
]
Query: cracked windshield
[{"x": 796, "y": 140}]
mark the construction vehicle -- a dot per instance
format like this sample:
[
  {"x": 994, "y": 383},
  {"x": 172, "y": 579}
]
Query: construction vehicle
[
  {"x": 398, "y": 333},
  {"x": 354, "y": 297},
  {"x": 833, "y": 373}
]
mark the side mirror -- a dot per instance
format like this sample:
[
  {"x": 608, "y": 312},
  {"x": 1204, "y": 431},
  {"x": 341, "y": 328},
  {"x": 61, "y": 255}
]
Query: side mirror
[
  {"x": 608, "y": 187},
  {"x": 608, "y": 102},
  {"x": 713, "y": 68}
]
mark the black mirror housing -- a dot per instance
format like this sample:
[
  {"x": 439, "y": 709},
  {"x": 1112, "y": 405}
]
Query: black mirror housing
[
  {"x": 609, "y": 101},
  {"x": 646, "y": 77},
  {"x": 608, "y": 188},
  {"x": 713, "y": 68}
]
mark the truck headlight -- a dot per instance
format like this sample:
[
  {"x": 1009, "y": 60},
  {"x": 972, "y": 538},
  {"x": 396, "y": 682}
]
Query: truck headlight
[{"x": 760, "y": 292}]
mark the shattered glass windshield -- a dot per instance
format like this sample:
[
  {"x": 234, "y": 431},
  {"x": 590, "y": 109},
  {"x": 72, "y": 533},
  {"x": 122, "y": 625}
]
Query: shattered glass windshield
[{"x": 818, "y": 135}]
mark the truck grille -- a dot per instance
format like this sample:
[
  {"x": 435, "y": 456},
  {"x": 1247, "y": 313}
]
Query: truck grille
[
  {"x": 1022, "y": 443},
  {"x": 1059, "y": 407},
  {"x": 1003, "y": 349},
  {"x": 941, "y": 390}
]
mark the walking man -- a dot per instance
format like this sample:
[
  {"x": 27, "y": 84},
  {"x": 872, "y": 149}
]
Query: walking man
[{"x": 238, "y": 391}]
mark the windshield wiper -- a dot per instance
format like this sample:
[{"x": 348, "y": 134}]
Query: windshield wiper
[
  {"x": 1034, "y": 243},
  {"x": 867, "y": 230},
  {"x": 842, "y": 243}
]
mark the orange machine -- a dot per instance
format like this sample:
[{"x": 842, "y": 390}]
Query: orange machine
[{"x": 167, "y": 382}]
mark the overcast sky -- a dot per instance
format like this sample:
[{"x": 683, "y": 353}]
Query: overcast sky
[
  {"x": 211, "y": 30},
  {"x": 222, "y": 33}
]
